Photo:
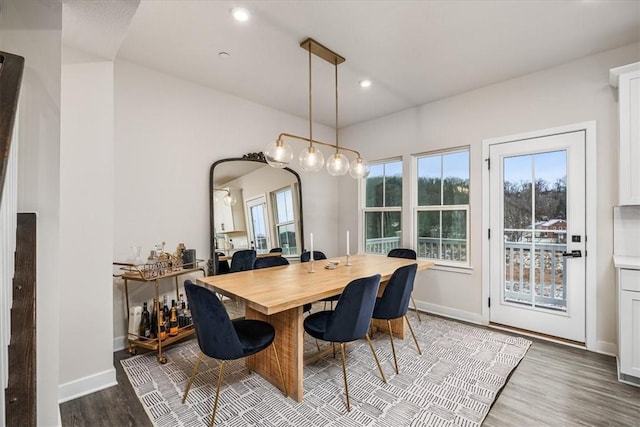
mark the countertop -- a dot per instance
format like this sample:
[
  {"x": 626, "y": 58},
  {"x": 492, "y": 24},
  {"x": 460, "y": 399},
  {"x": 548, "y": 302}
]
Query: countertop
[{"x": 630, "y": 262}]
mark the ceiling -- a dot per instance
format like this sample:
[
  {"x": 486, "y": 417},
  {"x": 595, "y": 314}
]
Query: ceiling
[{"x": 414, "y": 52}]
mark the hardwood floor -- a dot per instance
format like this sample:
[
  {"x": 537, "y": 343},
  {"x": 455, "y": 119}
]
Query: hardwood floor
[{"x": 554, "y": 385}]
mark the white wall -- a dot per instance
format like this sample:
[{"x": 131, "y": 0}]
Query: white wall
[
  {"x": 86, "y": 225},
  {"x": 168, "y": 132},
  {"x": 575, "y": 92},
  {"x": 33, "y": 29}
]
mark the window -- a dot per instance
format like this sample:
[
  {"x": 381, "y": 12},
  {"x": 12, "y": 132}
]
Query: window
[
  {"x": 383, "y": 207},
  {"x": 442, "y": 211},
  {"x": 285, "y": 221}
]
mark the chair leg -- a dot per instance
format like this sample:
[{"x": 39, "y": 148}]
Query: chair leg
[
  {"x": 375, "y": 357},
  {"x": 393, "y": 347},
  {"x": 344, "y": 374},
  {"x": 284, "y": 385},
  {"x": 415, "y": 308},
  {"x": 194, "y": 371},
  {"x": 317, "y": 344},
  {"x": 413, "y": 335},
  {"x": 215, "y": 404}
]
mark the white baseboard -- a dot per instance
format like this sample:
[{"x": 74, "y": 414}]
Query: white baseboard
[
  {"x": 606, "y": 348},
  {"x": 120, "y": 343},
  {"x": 452, "y": 313},
  {"x": 87, "y": 385}
]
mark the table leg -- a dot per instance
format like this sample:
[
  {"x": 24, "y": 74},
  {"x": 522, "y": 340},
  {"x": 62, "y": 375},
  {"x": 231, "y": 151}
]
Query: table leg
[
  {"x": 397, "y": 327},
  {"x": 289, "y": 343}
]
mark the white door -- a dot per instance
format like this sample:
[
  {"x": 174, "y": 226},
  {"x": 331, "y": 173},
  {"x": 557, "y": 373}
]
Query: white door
[
  {"x": 259, "y": 221},
  {"x": 537, "y": 234}
]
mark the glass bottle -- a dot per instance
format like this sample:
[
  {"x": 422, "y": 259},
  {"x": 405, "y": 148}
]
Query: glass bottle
[
  {"x": 173, "y": 320},
  {"x": 145, "y": 323},
  {"x": 154, "y": 320}
]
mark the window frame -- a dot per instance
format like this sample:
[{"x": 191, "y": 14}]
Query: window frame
[
  {"x": 416, "y": 208},
  {"x": 364, "y": 209},
  {"x": 277, "y": 225}
]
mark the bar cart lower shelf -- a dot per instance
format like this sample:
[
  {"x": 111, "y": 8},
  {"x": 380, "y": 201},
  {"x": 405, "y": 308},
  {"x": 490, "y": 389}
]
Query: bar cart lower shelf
[{"x": 141, "y": 274}]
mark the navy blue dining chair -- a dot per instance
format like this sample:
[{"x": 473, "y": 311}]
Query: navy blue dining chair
[
  {"x": 224, "y": 339},
  {"x": 349, "y": 321},
  {"x": 408, "y": 254},
  {"x": 318, "y": 256},
  {"x": 222, "y": 267},
  {"x": 242, "y": 260},
  {"x": 274, "y": 250},
  {"x": 269, "y": 261},
  {"x": 394, "y": 302}
]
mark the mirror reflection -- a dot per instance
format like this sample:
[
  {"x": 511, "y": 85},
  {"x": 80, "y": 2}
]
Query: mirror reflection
[{"x": 254, "y": 206}]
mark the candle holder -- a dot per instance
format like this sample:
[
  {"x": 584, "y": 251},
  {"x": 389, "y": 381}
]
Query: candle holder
[
  {"x": 348, "y": 260},
  {"x": 312, "y": 266}
]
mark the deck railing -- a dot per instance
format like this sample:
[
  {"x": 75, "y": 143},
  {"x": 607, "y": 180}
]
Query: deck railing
[{"x": 535, "y": 274}]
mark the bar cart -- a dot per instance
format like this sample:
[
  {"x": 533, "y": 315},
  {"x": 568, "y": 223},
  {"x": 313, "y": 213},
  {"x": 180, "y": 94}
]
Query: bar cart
[{"x": 151, "y": 274}]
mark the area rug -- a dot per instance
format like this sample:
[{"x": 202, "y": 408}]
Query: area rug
[{"x": 454, "y": 383}]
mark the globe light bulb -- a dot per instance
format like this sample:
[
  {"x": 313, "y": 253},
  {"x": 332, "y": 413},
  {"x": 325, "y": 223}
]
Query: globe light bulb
[
  {"x": 359, "y": 168},
  {"x": 337, "y": 164},
  {"x": 278, "y": 155},
  {"x": 311, "y": 159}
]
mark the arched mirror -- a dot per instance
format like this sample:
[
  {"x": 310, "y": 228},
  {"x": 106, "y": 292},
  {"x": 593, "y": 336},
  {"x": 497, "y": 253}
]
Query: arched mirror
[{"x": 254, "y": 206}]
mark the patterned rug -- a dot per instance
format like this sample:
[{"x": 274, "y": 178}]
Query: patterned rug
[{"x": 454, "y": 382}]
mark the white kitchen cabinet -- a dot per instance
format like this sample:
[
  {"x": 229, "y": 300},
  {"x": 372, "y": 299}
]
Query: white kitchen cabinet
[
  {"x": 628, "y": 324},
  {"x": 627, "y": 80},
  {"x": 229, "y": 218}
]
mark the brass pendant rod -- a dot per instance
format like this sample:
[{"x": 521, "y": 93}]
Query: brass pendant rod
[
  {"x": 315, "y": 141},
  {"x": 336, "y": 73},
  {"x": 310, "y": 104}
]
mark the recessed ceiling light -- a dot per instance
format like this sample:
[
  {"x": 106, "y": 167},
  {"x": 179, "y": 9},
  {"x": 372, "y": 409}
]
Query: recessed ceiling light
[
  {"x": 240, "y": 14},
  {"x": 224, "y": 55},
  {"x": 365, "y": 83}
]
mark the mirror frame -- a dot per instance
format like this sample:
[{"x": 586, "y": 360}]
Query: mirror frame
[{"x": 249, "y": 157}]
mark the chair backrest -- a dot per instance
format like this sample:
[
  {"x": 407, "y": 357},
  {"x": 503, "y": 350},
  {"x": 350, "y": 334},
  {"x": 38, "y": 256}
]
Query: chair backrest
[
  {"x": 317, "y": 255},
  {"x": 275, "y": 250},
  {"x": 402, "y": 253},
  {"x": 270, "y": 261},
  {"x": 242, "y": 260},
  {"x": 217, "y": 337},
  {"x": 222, "y": 267},
  {"x": 394, "y": 302},
  {"x": 352, "y": 315}
]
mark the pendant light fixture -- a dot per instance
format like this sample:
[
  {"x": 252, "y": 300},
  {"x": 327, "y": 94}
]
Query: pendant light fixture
[
  {"x": 311, "y": 158},
  {"x": 228, "y": 198}
]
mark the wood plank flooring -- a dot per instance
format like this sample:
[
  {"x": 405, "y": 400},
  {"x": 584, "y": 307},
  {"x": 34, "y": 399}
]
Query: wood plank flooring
[
  {"x": 554, "y": 385},
  {"x": 20, "y": 395}
]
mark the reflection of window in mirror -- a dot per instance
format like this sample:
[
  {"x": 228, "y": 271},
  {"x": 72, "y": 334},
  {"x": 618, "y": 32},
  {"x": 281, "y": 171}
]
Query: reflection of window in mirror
[
  {"x": 285, "y": 220},
  {"x": 259, "y": 225}
]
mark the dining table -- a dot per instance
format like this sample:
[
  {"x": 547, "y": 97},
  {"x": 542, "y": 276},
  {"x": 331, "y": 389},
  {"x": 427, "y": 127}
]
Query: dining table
[{"x": 277, "y": 295}]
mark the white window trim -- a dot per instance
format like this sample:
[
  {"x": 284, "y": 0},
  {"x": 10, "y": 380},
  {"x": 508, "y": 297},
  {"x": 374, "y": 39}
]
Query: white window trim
[
  {"x": 362, "y": 201},
  {"x": 447, "y": 265}
]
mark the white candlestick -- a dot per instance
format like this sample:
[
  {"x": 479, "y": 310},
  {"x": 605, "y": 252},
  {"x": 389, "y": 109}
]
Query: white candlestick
[
  {"x": 311, "y": 244},
  {"x": 348, "y": 243}
]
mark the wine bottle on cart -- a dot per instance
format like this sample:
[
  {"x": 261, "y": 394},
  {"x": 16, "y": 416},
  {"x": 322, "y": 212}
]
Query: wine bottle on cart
[
  {"x": 154, "y": 320},
  {"x": 145, "y": 323},
  {"x": 173, "y": 320}
]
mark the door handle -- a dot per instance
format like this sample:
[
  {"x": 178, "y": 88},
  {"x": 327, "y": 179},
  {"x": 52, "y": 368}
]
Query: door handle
[{"x": 573, "y": 254}]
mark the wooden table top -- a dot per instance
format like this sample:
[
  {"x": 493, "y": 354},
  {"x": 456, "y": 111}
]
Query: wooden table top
[{"x": 275, "y": 289}]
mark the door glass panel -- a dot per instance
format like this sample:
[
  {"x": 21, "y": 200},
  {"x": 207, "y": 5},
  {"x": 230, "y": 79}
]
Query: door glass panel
[
  {"x": 535, "y": 229},
  {"x": 287, "y": 239},
  {"x": 259, "y": 228}
]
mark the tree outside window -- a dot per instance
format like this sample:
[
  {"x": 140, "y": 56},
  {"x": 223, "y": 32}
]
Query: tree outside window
[
  {"x": 442, "y": 213},
  {"x": 383, "y": 207},
  {"x": 285, "y": 221}
]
